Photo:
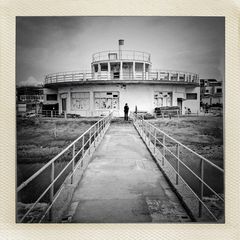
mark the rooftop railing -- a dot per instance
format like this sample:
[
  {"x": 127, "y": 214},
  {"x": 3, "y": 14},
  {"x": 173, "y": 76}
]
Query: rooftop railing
[
  {"x": 154, "y": 75},
  {"x": 121, "y": 55}
]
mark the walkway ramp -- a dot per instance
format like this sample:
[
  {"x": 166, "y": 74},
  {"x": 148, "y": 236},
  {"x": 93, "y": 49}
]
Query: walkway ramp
[{"x": 122, "y": 184}]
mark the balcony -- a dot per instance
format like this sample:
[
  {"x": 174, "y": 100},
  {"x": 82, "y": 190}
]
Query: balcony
[
  {"x": 105, "y": 77},
  {"x": 130, "y": 55}
]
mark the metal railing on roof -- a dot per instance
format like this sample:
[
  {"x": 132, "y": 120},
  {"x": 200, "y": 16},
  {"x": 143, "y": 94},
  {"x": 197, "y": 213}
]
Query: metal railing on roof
[
  {"x": 180, "y": 163},
  {"x": 122, "y": 55},
  {"x": 157, "y": 75}
]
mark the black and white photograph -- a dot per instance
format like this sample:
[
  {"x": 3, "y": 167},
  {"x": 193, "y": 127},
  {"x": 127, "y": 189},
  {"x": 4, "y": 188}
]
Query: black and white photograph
[{"x": 120, "y": 119}]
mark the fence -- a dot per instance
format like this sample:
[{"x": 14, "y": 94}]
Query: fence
[
  {"x": 72, "y": 156},
  {"x": 199, "y": 182}
]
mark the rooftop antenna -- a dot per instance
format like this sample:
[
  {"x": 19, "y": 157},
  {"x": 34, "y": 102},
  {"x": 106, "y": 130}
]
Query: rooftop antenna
[{"x": 120, "y": 44}]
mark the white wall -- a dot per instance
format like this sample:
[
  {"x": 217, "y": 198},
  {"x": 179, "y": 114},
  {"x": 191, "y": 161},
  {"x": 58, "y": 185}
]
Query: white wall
[
  {"x": 193, "y": 104},
  {"x": 141, "y": 95}
]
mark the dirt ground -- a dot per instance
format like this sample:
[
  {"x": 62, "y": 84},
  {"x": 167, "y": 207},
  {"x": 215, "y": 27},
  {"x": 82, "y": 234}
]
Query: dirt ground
[
  {"x": 203, "y": 134},
  {"x": 40, "y": 140}
]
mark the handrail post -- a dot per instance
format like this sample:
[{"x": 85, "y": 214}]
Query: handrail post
[
  {"x": 90, "y": 136},
  {"x": 52, "y": 190},
  {"x": 201, "y": 187},
  {"x": 83, "y": 143},
  {"x": 94, "y": 136},
  {"x": 177, "y": 173},
  {"x": 155, "y": 140},
  {"x": 149, "y": 135},
  {"x": 164, "y": 142},
  {"x": 73, "y": 162},
  {"x": 98, "y": 130}
]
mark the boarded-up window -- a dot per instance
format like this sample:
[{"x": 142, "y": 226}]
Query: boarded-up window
[
  {"x": 162, "y": 99},
  {"x": 106, "y": 100},
  {"x": 80, "y": 101},
  {"x": 192, "y": 96}
]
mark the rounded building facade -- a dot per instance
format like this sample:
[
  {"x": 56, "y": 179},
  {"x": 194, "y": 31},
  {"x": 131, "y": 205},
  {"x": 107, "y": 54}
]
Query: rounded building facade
[{"x": 118, "y": 77}]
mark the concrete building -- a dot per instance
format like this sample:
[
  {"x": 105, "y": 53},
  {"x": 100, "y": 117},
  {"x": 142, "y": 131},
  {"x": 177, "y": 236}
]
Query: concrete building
[
  {"x": 211, "y": 92},
  {"x": 29, "y": 99},
  {"x": 119, "y": 77}
]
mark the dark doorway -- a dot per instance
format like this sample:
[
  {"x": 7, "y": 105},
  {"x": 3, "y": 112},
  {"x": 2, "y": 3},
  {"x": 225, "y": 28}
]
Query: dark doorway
[
  {"x": 64, "y": 105},
  {"x": 179, "y": 103}
]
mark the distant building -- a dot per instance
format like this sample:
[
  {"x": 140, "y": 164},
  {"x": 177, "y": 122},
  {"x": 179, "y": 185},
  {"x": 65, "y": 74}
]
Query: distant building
[
  {"x": 211, "y": 92},
  {"x": 119, "y": 77},
  {"x": 29, "y": 99}
]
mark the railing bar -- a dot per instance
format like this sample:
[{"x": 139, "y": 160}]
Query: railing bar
[
  {"x": 54, "y": 200},
  {"x": 214, "y": 165},
  {"x": 191, "y": 172},
  {"x": 24, "y": 184},
  {"x": 192, "y": 190},
  {"x": 46, "y": 190}
]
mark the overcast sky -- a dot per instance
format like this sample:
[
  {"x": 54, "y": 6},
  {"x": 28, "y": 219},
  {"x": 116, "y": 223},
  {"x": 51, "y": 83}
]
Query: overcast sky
[{"x": 56, "y": 44}]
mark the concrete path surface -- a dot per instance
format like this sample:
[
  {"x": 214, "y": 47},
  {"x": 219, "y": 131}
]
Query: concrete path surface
[{"x": 122, "y": 184}]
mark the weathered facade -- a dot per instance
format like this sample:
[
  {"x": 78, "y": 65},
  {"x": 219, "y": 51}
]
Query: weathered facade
[
  {"x": 211, "y": 92},
  {"x": 119, "y": 77}
]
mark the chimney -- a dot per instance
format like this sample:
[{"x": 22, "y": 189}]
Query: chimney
[{"x": 120, "y": 44}]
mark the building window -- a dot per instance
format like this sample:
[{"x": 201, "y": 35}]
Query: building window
[
  {"x": 162, "y": 99},
  {"x": 80, "y": 101},
  {"x": 106, "y": 100},
  {"x": 104, "y": 67},
  {"x": 191, "y": 96},
  {"x": 219, "y": 90},
  {"x": 51, "y": 97}
]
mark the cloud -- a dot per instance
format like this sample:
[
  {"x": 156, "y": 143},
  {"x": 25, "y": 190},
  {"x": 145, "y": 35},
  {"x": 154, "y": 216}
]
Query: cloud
[{"x": 31, "y": 81}]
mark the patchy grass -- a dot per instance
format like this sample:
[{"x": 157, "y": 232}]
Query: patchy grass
[
  {"x": 40, "y": 140},
  {"x": 203, "y": 134}
]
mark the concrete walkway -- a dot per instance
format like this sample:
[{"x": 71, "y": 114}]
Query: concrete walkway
[{"x": 122, "y": 184}]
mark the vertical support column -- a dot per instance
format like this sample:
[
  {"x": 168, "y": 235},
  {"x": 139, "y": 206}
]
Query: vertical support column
[
  {"x": 83, "y": 143},
  {"x": 99, "y": 71},
  {"x": 164, "y": 142},
  {"x": 201, "y": 187},
  {"x": 94, "y": 136},
  {"x": 144, "y": 71},
  {"x": 178, "y": 77},
  {"x": 73, "y": 162},
  {"x": 90, "y": 136},
  {"x": 134, "y": 73},
  {"x": 169, "y": 76},
  {"x": 178, "y": 151},
  {"x": 109, "y": 71},
  {"x": 121, "y": 72},
  {"x": 52, "y": 190},
  {"x": 155, "y": 140}
]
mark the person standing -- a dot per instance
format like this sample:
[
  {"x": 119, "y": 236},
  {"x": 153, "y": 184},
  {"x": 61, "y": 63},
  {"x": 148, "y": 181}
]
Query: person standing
[{"x": 126, "y": 108}]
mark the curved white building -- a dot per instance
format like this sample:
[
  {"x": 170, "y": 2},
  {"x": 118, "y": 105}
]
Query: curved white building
[{"x": 118, "y": 77}]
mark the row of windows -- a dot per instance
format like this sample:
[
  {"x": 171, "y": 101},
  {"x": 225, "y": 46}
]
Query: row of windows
[{"x": 110, "y": 100}]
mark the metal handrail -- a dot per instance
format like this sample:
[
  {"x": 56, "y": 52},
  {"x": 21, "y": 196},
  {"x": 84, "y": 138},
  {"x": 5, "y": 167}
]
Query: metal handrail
[
  {"x": 95, "y": 131},
  {"x": 83, "y": 76},
  {"x": 131, "y": 54},
  {"x": 144, "y": 128}
]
